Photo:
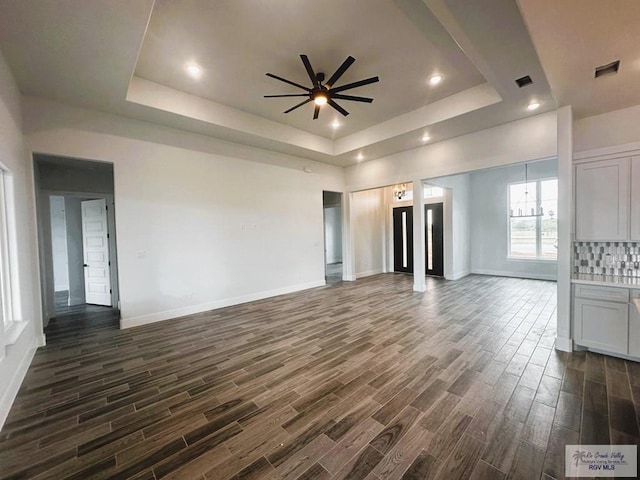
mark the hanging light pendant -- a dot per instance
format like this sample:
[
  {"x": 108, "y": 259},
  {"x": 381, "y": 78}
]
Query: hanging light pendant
[
  {"x": 400, "y": 191},
  {"x": 529, "y": 207}
]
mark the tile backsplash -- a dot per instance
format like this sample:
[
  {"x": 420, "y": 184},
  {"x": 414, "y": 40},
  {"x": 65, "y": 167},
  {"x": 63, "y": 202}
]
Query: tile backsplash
[{"x": 607, "y": 258}]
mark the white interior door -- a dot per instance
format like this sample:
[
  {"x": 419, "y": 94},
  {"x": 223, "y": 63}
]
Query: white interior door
[{"x": 97, "y": 280}]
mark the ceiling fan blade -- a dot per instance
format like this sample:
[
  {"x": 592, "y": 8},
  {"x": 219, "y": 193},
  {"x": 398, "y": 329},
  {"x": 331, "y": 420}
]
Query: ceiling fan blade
[
  {"x": 338, "y": 107},
  {"x": 288, "y": 81},
  {"x": 310, "y": 72},
  {"x": 359, "y": 83},
  {"x": 340, "y": 71},
  {"x": 352, "y": 98},
  {"x": 288, "y": 95},
  {"x": 298, "y": 105},
  {"x": 316, "y": 111}
]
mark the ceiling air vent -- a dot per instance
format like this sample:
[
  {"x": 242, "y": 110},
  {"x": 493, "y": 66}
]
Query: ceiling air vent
[
  {"x": 608, "y": 69},
  {"x": 524, "y": 81}
]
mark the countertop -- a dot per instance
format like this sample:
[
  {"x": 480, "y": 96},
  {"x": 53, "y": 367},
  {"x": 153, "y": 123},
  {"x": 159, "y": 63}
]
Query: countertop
[{"x": 606, "y": 280}]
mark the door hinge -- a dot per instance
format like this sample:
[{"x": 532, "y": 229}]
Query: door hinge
[
  {"x": 106, "y": 207},
  {"x": 110, "y": 291},
  {"x": 109, "y": 263},
  {"x": 107, "y": 235}
]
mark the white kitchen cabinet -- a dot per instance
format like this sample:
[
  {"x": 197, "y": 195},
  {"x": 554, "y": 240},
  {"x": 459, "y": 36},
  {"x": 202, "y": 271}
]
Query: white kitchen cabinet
[
  {"x": 602, "y": 200},
  {"x": 634, "y": 211},
  {"x": 601, "y": 325},
  {"x": 634, "y": 326},
  {"x": 601, "y": 317}
]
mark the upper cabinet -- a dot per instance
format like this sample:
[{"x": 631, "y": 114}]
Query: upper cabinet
[{"x": 602, "y": 200}]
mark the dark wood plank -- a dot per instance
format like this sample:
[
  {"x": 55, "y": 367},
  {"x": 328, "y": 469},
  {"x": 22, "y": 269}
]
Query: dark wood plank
[
  {"x": 423, "y": 467},
  {"x": 366, "y": 461},
  {"x": 387, "y": 438},
  {"x": 554, "y": 462},
  {"x": 568, "y": 411},
  {"x": 528, "y": 462},
  {"x": 463, "y": 459},
  {"x": 394, "y": 406}
]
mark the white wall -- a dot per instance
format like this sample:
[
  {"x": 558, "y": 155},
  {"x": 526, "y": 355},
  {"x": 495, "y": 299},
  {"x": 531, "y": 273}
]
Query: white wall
[
  {"x": 367, "y": 215},
  {"x": 333, "y": 234},
  {"x": 457, "y": 224},
  {"x": 15, "y": 358},
  {"x": 533, "y": 138},
  {"x": 201, "y": 223},
  {"x": 609, "y": 129},
  {"x": 59, "y": 243},
  {"x": 73, "y": 217},
  {"x": 489, "y": 222}
]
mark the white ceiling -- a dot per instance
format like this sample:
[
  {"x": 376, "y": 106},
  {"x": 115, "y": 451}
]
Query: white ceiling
[
  {"x": 127, "y": 57},
  {"x": 573, "y": 37}
]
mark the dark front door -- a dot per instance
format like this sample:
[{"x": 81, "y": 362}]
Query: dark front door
[
  {"x": 434, "y": 244},
  {"x": 403, "y": 239}
]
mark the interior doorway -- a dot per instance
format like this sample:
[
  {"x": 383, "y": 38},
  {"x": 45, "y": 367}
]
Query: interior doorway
[
  {"x": 77, "y": 243},
  {"x": 332, "y": 208}
]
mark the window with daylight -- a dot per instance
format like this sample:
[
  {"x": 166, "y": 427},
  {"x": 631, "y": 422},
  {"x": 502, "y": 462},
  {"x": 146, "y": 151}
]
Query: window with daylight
[{"x": 533, "y": 223}]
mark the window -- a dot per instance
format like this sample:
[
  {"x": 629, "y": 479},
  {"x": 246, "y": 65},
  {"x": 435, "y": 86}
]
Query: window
[
  {"x": 404, "y": 192},
  {"x": 533, "y": 224}
]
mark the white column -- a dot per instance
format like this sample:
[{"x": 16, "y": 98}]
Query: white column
[
  {"x": 419, "y": 283},
  {"x": 348, "y": 254},
  {"x": 565, "y": 223}
]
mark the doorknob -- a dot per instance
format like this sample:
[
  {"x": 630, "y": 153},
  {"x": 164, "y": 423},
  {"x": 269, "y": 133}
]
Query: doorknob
[{"x": 85, "y": 265}]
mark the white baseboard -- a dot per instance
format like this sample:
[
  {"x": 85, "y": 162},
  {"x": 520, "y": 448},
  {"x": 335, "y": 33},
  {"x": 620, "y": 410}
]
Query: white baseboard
[
  {"x": 564, "y": 344},
  {"x": 368, "y": 273},
  {"x": 11, "y": 390},
  {"x": 203, "y": 307},
  {"x": 349, "y": 278},
  {"x": 458, "y": 275},
  {"x": 503, "y": 273}
]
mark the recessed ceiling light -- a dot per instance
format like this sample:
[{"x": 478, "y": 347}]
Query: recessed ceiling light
[
  {"x": 426, "y": 138},
  {"x": 533, "y": 106},
  {"x": 360, "y": 157},
  {"x": 435, "y": 80},
  {"x": 194, "y": 70},
  {"x": 335, "y": 124}
]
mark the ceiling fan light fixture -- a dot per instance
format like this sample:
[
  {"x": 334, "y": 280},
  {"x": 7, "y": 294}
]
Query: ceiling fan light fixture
[
  {"x": 321, "y": 92},
  {"x": 320, "y": 99}
]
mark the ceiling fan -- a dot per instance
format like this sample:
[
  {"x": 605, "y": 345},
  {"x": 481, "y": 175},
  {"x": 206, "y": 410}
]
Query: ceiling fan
[{"x": 324, "y": 92}]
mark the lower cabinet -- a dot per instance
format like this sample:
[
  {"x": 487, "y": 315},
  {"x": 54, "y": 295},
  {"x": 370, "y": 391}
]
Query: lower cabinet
[
  {"x": 601, "y": 318},
  {"x": 634, "y": 326},
  {"x": 602, "y": 325}
]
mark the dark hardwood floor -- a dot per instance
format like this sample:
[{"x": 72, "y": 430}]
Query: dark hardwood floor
[{"x": 358, "y": 380}]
